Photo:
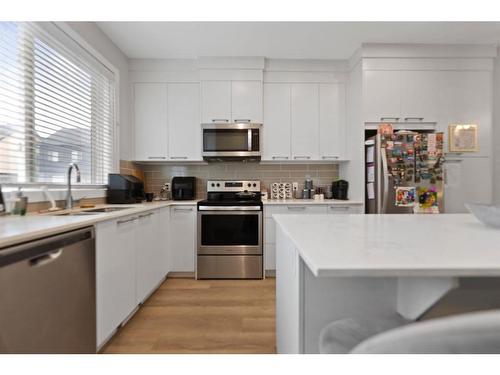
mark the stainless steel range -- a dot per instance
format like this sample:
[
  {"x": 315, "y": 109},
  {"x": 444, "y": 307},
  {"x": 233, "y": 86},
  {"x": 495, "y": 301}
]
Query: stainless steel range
[{"x": 230, "y": 231}]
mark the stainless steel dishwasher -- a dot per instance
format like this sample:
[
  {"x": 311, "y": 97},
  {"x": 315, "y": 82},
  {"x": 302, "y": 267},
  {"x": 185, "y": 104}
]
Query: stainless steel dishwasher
[{"x": 47, "y": 295}]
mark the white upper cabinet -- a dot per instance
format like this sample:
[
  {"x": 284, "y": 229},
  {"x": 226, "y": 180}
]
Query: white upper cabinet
[
  {"x": 466, "y": 98},
  {"x": 276, "y": 128},
  {"x": 167, "y": 122},
  {"x": 332, "y": 113},
  {"x": 150, "y": 121},
  {"x": 419, "y": 95},
  {"x": 382, "y": 95},
  {"x": 231, "y": 101},
  {"x": 246, "y": 101},
  {"x": 305, "y": 121},
  {"x": 184, "y": 138},
  {"x": 216, "y": 101}
]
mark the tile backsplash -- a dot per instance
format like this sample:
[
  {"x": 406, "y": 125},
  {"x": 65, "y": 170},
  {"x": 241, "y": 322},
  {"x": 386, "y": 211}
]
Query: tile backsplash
[{"x": 156, "y": 175}]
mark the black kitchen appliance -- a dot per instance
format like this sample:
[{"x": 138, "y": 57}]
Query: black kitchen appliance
[
  {"x": 183, "y": 188},
  {"x": 230, "y": 231},
  {"x": 340, "y": 189},
  {"x": 124, "y": 189}
]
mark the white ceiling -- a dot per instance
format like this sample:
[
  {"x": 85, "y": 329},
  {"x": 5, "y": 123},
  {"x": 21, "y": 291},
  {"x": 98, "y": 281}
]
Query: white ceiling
[{"x": 294, "y": 40}]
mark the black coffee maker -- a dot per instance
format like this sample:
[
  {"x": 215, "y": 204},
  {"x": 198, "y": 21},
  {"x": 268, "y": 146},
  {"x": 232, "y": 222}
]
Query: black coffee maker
[{"x": 340, "y": 189}]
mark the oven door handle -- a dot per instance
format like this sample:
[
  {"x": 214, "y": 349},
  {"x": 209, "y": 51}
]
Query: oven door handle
[{"x": 229, "y": 208}]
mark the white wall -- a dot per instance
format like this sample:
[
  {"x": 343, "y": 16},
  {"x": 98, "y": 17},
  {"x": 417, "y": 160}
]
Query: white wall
[
  {"x": 496, "y": 130},
  {"x": 102, "y": 44}
]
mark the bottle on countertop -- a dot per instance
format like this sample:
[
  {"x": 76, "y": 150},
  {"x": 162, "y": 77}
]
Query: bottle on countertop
[
  {"x": 2, "y": 203},
  {"x": 20, "y": 204}
]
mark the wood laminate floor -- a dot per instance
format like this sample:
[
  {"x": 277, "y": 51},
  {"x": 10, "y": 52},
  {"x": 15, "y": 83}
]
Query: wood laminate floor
[{"x": 202, "y": 316}]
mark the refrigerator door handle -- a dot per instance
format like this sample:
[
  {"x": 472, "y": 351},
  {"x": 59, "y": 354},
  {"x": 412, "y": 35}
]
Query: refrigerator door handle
[{"x": 385, "y": 172}]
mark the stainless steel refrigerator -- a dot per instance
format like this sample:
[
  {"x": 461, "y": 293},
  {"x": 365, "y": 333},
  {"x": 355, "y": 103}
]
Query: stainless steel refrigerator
[{"x": 404, "y": 173}]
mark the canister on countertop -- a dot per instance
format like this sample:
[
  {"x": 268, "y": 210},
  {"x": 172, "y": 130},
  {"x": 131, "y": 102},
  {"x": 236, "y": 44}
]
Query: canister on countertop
[
  {"x": 306, "y": 194},
  {"x": 308, "y": 184}
]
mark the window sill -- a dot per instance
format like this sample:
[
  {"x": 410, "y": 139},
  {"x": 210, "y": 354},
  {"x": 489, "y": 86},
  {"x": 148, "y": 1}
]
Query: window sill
[{"x": 58, "y": 192}]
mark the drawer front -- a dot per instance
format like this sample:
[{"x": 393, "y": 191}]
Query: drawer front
[
  {"x": 295, "y": 209},
  {"x": 343, "y": 209}
]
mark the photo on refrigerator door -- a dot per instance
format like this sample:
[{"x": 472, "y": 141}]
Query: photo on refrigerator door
[{"x": 405, "y": 196}]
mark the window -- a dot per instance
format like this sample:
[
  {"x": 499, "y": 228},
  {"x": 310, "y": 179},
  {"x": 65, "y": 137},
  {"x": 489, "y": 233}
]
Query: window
[{"x": 56, "y": 107}]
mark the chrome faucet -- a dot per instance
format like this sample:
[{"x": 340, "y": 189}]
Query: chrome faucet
[{"x": 69, "y": 197}]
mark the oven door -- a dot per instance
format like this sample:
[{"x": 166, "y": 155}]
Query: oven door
[
  {"x": 231, "y": 140},
  {"x": 229, "y": 232}
]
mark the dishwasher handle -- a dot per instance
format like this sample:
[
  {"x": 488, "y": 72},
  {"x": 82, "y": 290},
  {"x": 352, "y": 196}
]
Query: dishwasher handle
[{"x": 45, "y": 250}]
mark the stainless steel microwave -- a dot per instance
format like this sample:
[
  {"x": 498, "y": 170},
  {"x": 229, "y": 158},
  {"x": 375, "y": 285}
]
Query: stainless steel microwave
[{"x": 236, "y": 141}]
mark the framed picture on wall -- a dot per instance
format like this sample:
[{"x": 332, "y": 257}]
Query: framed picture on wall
[{"x": 462, "y": 138}]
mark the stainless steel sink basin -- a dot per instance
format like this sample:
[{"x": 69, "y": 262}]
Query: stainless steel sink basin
[
  {"x": 79, "y": 213},
  {"x": 107, "y": 209},
  {"x": 94, "y": 211}
]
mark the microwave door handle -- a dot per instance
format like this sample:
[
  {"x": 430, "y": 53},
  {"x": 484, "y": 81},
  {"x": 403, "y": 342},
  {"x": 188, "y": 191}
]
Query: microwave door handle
[{"x": 249, "y": 140}]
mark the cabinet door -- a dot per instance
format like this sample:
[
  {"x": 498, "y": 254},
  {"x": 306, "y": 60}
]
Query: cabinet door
[
  {"x": 115, "y": 274},
  {"x": 184, "y": 129},
  {"x": 419, "y": 96},
  {"x": 467, "y": 180},
  {"x": 163, "y": 241},
  {"x": 277, "y": 123},
  {"x": 332, "y": 107},
  {"x": 344, "y": 209},
  {"x": 466, "y": 98},
  {"x": 215, "y": 101},
  {"x": 150, "y": 121},
  {"x": 183, "y": 237},
  {"x": 382, "y": 95},
  {"x": 305, "y": 121},
  {"x": 246, "y": 101},
  {"x": 148, "y": 254}
]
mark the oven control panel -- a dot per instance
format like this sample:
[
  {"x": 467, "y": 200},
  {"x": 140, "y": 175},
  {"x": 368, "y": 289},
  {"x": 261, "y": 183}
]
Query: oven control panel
[{"x": 233, "y": 186}]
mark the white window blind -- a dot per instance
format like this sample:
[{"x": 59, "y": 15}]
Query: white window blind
[{"x": 56, "y": 107}]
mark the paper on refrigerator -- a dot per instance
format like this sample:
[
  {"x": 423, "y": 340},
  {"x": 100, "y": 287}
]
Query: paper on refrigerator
[
  {"x": 370, "y": 173},
  {"x": 370, "y": 154},
  {"x": 370, "y": 190}
]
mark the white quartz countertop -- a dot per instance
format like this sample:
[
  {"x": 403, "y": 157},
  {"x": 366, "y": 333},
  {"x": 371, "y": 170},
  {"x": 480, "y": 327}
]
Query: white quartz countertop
[
  {"x": 18, "y": 229},
  {"x": 394, "y": 245},
  {"x": 311, "y": 202}
]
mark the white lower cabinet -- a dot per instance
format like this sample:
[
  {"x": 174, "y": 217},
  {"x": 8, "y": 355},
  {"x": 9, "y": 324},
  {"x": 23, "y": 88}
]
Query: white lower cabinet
[
  {"x": 182, "y": 239},
  {"x": 150, "y": 254},
  {"x": 115, "y": 274},
  {"x": 131, "y": 260},
  {"x": 467, "y": 180},
  {"x": 296, "y": 209}
]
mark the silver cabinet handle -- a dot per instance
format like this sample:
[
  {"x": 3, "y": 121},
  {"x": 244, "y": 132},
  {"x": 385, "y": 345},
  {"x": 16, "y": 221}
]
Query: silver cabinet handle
[
  {"x": 220, "y": 120},
  {"x": 242, "y": 120},
  {"x": 414, "y": 118},
  {"x": 156, "y": 157},
  {"x": 329, "y": 157},
  {"x": 183, "y": 209},
  {"x": 145, "y": 215},
  {"x": 343, "y": 208},
  {"x": 178, "y": 157},
  {"x": 296, "y": 208},
  {"x": 302, "y": 157},
  {"x": 280, "y": 158},
  {"x": 119, "y": 222},
  {"x": 389, "y": 118}
]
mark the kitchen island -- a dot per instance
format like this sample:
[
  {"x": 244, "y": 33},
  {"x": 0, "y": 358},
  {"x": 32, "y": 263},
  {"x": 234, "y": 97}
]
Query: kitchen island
[{"x": 330, "y": 267}]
